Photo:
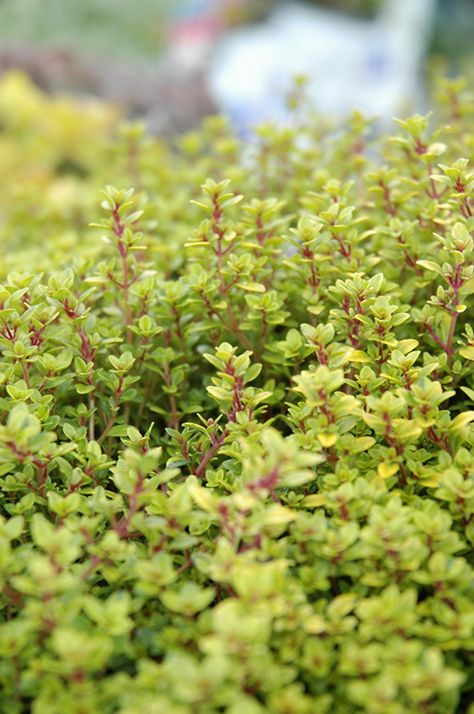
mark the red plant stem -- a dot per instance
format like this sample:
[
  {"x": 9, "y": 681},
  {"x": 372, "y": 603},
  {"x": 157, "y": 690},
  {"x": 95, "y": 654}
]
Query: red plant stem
[
  {"x": 232, "y": 327},
  {"x": 42, "y": 474},
  {"x": 126, "y": 283},
  {"x": 433, "y": 191},
  {"x": 452, "y": 328},
  {"x": 174, "y": 419},
  {"x": 9, "y": 333},
  {"x": 217, "y": 229},
  {"x": 96, "y": 559},
  {"x": 113, "y": 416},
  {"x": 88, "y": 354},
  {"x": 313, "y": 280},
  {"x": 25, "y": 373},
  {"x": 226, "y": 287},
  {"x": 389, "y": 205},
  {"x": 456, "y": 284},
  {"x": 41, "y": 466},
  {"x": 261, "y": 235},
  {"x": 466, "y": 209},
  {"x": 123, "y": 526},
  {"x": 344, "y": 250},
  {"x": 123, "y": 251},
  {"x": 435, "y": 337},
  {"x": 438, "y": 440},
  {"x": 210, "y": 453},
  {"x": 91, "y": 429}
]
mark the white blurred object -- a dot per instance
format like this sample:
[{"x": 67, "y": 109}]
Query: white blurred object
[{"x": 372, "y": 65}]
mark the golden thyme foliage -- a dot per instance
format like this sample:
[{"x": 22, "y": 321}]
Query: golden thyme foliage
[{"x": 236, "y": 414}]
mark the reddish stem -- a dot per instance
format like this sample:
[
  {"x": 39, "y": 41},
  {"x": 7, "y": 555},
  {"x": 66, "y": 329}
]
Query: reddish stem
[{"x": 210, "y": 453}]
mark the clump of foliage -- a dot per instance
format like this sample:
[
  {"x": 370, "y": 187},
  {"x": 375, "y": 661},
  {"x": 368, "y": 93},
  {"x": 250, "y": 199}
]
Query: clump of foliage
[{"x": 236, "y": 429}]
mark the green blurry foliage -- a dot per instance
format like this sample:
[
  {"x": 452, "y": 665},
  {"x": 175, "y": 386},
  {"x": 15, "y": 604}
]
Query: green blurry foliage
[
  {"x": 236, "y": 421},
  {"x": 110, "y": 28}
]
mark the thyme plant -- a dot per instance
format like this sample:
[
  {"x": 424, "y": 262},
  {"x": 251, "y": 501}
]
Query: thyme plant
[{"x": 236, "y": 414}]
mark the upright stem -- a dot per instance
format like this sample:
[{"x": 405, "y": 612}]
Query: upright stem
[
  {"x": 174, "y": 418},
  {"x": 456, "y": 284},
  {"x": 435, "y": 337},
  {"x": 123, "y": 250},
  {"x": 208, "y": 455},
  {"x": 91, "y": 430}
]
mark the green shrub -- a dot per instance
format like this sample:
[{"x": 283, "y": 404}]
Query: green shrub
[{"x": 236, "y": 425}]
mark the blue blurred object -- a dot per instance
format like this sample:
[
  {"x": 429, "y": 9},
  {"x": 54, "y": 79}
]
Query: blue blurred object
[{"x": 370, "y": 64}]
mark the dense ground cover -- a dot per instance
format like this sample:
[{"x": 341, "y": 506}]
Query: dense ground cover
[{"x": 235, "y": 421}]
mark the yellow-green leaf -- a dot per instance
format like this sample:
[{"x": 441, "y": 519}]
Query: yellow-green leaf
[
  {"x": 359, "y": 356},
  {"x": 386, "y": 470},
  {"x": 315, "y": 500},
  {"x": 327, "y": 440},
  {"x": 467, "y": 352},
  {"x": 252, "y": 287},
  {"x": 461, "y": 420}
]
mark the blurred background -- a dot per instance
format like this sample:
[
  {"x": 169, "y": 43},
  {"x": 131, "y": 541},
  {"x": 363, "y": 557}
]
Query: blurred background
[{"x": 171, "y": 62}]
